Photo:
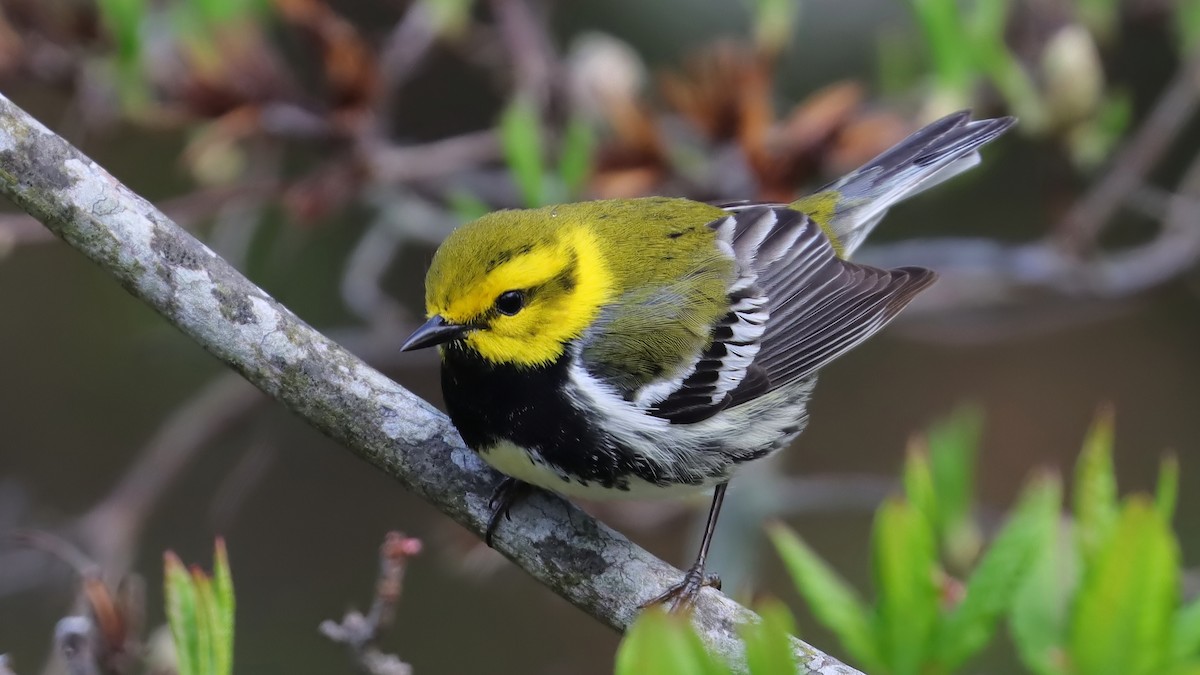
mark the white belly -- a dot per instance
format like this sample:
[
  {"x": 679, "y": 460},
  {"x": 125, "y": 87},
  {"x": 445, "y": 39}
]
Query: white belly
[{"x": 512, "y": 460}]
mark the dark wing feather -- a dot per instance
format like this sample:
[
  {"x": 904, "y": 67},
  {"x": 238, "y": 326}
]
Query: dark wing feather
[
  {"x": 822, "y": 306},
  {"x": 851, "y": 306},
  {"x": 795, "y": 307}
]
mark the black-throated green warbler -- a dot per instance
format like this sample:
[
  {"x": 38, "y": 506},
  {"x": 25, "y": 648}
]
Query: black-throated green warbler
[{"x": 649, "y": 347}]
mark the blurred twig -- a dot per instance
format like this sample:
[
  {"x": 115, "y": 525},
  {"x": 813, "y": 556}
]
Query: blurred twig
[
  {"x": 1177, "y": 104},
  {"x": 528, "y": 45},
  {"x": 401, "y": 164},
  {"x": 360, "y": 632},
  {"x": 237, "y": 485},
  {"x": 589, "y": 564},
  {"x": 113, "y": 527},
  {"x": 73, "y": 638},
  {"x": 108, "y": 638}
]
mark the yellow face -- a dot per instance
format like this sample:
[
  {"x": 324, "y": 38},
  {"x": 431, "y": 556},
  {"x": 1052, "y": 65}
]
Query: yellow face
[{"x": 521, "y": 288}]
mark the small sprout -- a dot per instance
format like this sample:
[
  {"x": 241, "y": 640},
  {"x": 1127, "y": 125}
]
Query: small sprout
[{"x": 200, "y": 612}]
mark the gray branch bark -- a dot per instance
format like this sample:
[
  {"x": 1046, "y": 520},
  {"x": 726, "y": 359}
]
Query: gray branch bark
[{"x": 584, "y": 561}]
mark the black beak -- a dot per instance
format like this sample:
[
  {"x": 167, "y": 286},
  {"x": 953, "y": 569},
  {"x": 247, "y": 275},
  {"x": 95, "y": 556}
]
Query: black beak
[{"x": 435, "y": 331}]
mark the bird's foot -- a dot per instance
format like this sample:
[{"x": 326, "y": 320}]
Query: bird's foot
[
  {"x": 682, "y": 596},
  {"x": 508, "y": 492}
]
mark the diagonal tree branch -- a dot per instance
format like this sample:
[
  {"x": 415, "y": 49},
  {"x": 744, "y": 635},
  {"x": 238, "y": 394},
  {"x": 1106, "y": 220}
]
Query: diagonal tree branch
[{"x": 592, "y": 566}]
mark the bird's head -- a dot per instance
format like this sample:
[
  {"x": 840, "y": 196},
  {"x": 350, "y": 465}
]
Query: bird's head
[{"x": 515, "y": 287}]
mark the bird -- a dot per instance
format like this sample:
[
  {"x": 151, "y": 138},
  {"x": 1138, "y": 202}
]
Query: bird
[{"x": 650, "y": 347}]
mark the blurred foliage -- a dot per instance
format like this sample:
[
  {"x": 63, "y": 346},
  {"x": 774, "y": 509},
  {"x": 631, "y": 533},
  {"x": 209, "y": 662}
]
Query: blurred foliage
[
  {"x": 666, "y": 644},
  {"x": 923, "y": 620},
  {"x": 1094, "y": 594},
  {"x": 1060, "y": 91},
  {"x": 524, "y": 152},
  {"x": 200, "y": 611},
  {"x": 233, "y": 72},
  {"x": 1104, "y": 595}
]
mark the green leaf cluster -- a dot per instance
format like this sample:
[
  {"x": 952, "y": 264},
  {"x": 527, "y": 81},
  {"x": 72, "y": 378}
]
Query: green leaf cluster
[
  {"x": 1104, "y": 595},
  {"x": 923, "y": 621},
  {"x": 666, "y": 644},
  {"x": 200, "y": 612},
  {"x": 1097, "y": 593}
]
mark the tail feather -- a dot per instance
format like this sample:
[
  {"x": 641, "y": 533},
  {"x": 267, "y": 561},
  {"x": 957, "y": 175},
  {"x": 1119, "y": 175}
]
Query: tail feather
[{"x": 853, "y": 205}]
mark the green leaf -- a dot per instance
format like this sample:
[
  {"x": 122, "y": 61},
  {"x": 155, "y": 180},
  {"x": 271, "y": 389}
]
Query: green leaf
[
  {"x": 1166, "y": 494},
  {"x": 953, "y": 454},
  {"x": 946, "y": 39},
  {"x": 182, "y": 614},
  {"x": 769, "y": 642},
  {"x": 1185, "y": 633},
  {"x": 224, "y": 606},
  {"x": 206, "y": 612},
  {"x": 986, "y": 36},
  {"x": 224, "y": 12},
  {"x": 661, "y": 643},
  {"x": 1003, "y": 569},
  {"x": 833, "y": 602},
  {"x": 953, "y": 451},
  {"x": 904, "y": 564},
  {"x": 918, "y": 483},
  {"x": 1096, "y": 486},
  {"x": 1122, "y": 619},
  {"x": 1039, "y": 614},
  {"x": 521, "y": 138},
  {"x": 575, "y": 160},
  {"x": 123, "y": 19}
]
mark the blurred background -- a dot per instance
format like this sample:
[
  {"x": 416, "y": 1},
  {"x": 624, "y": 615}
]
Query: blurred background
[{"x": 326, "y": 147}]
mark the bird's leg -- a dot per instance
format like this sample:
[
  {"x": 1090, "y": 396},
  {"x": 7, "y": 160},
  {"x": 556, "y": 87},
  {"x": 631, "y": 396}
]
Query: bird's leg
[
  {"x": 683, "y": 595},
  {"x": 508, "y": 492}
]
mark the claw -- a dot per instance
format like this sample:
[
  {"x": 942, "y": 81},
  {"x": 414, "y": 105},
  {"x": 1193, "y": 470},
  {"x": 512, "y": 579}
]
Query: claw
[
  {"x": 682, "y": 596},
  {"x": 508, "y": 492}
]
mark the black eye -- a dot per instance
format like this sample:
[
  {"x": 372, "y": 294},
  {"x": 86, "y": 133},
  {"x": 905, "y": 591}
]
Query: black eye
[{"x": 510, "y": 302}]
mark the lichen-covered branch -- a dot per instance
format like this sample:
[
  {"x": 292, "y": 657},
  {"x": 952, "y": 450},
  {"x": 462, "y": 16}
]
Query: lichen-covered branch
[{"x": 592, "y": 566}]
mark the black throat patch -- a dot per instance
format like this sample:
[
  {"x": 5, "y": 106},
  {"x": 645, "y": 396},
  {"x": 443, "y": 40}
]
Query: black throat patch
[{"x": 529, "y": 407}]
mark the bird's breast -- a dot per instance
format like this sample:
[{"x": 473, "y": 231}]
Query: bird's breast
[{"x": 526, "y": 412}]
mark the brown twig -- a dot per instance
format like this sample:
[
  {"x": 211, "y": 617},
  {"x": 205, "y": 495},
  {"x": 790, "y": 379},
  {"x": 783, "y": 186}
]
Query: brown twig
[
  {"x": 1178, "y": 103},
  {"x": 360, "y": 633},
  {"x": 107, "y": 639}
]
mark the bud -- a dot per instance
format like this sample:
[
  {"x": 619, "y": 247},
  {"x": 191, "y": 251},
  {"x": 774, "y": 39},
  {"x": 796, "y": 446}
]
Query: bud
[
  {"x": 603, "y": 74},
  {"x": 1072, "y": 76}
]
